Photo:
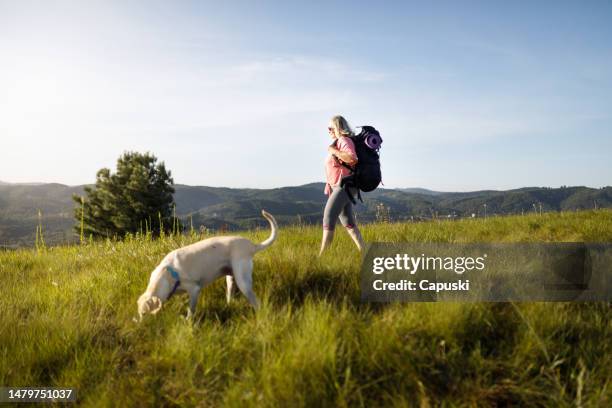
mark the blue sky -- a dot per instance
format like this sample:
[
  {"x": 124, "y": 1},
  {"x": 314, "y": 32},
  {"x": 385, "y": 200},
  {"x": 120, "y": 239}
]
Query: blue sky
[{"x": 467, "y": 95}]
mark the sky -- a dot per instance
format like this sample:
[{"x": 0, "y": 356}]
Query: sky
[{"x": 467, "y": 95}]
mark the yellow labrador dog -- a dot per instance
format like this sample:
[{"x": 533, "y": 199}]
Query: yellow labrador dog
[{"x": 191, "y": 268}]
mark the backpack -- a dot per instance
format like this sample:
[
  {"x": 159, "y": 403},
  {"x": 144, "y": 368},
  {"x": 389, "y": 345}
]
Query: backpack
[{"x": 366, "y": 174}]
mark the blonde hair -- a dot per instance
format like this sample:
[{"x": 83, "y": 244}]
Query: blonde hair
[{"x": 341, "y": 126}]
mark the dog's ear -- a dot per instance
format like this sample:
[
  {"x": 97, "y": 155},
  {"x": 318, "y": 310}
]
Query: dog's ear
[{"x": 154, "y": 304}]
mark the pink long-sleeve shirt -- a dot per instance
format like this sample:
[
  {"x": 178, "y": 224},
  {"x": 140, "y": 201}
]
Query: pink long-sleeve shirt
[{"x": 334, "y": 170}]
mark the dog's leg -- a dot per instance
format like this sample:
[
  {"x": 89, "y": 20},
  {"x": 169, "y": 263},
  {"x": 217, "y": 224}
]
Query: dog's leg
[
  {"x": 230, "y": 285},
  {"x": 194, "y": 292},
  {"x": 243, "y": 273}
]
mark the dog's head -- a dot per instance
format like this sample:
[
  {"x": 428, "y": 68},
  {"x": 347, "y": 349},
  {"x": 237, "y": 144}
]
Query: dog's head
[{"x": 148, "y": 304}]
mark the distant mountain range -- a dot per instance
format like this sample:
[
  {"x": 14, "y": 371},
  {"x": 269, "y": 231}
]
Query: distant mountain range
[
  {"x": 234, "y": 208},
  {"x": 420, "y": 191}
]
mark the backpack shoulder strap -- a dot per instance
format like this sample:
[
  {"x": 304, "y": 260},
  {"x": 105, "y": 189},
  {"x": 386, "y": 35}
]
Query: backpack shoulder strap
[{"x": 340, "y": 162}]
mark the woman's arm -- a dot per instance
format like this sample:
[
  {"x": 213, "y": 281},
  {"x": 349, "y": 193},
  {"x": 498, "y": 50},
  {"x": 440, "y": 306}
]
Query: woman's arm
[{"x": 344, "y": 156}]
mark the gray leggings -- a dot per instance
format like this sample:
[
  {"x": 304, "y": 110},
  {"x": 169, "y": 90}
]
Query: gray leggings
[{"x": 340, "y": 206}]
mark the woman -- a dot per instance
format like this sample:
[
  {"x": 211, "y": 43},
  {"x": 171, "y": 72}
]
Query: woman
[{"x": 339, "y": 204}]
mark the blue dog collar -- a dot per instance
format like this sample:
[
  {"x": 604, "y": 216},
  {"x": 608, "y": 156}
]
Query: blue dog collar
[
  {"x": 173, "y": 272},
  {"x": 174, "y": 275}
]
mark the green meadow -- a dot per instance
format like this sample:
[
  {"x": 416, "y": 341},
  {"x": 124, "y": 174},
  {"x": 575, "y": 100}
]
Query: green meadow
[{"x": 66, "y": 320}]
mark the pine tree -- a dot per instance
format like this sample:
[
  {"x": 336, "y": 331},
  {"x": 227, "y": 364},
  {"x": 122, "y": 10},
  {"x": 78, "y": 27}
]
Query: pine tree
[{"x": 138, "y": 194}]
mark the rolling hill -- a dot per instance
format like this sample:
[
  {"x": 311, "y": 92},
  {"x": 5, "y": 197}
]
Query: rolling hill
[{"x": 232, "y": 208}]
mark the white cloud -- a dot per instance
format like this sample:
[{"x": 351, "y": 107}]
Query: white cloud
[{"x": 299, "y": 68}]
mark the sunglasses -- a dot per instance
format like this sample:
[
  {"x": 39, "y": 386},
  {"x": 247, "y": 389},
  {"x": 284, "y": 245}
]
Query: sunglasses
[{"x": 330, "y": 129}]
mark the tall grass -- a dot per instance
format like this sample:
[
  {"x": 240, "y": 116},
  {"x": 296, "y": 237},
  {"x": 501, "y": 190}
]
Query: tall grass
[
  {"x": 66, "y": 320},
  {"x": 40, "y": 238}
]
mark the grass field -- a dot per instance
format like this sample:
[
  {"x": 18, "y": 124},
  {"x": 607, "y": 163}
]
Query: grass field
[{"x": 66, "y": 320}]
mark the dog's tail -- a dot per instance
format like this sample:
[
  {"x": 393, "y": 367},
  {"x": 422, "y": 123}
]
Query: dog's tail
[{"x": 272, "y": 236}]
